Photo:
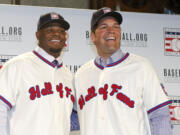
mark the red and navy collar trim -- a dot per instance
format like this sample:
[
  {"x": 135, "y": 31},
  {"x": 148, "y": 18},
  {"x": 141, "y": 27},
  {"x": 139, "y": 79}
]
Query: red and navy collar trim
[
  {"x": 6, "y": 102},
  {"x": 46, "y": 61},
  {"x": 159, "y": 106},
  {"x": 114, "y": 63}
]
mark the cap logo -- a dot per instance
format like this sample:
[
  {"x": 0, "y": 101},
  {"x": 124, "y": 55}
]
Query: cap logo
[
  {"x": 54, "y": 16},
  {"x": 107, "y": 10}
]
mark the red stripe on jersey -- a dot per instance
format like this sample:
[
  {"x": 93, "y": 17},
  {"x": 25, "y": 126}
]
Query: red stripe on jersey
[
  {"x": 159, "y": 106},
  {"x": 6, "y": 102}
]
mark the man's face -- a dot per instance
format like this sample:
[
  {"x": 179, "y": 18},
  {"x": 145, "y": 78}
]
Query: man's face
[
  {"x": 52, "y": 39},
  {"x": 107, "y": 36}
]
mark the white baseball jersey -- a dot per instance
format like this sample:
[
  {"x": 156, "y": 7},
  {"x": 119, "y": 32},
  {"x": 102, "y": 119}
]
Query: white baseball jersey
[
  {"x": 115, "y": 100},
  {"x": 40, "y": 96}
]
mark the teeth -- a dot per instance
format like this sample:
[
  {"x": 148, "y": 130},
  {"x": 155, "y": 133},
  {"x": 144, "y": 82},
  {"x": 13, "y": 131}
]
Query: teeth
[
  {"x": 55, "y": 40},
  {"x": 110, "y": 38}
]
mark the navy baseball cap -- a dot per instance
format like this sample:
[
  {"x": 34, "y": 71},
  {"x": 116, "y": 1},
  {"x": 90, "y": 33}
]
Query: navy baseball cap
[
  {"x": 101, "y": 13},
  {"x": 49, "y": 18}
]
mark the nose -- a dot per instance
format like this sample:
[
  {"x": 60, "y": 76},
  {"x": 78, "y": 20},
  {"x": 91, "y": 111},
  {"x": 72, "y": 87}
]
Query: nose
[
  {"x": 56, "y": 32},
  {"x": 110, "y": 29}
]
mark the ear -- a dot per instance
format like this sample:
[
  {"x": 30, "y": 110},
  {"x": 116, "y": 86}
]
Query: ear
[
  {"x": 66, "y": 36},
  {"x": 37, "y": 35},
  {"x": 92, "y": 36}
]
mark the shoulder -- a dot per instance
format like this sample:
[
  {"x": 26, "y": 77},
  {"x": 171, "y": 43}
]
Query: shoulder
[
  {"x": 142, "y": 61},
  {"x": 137, "y": 58},
  {"x": 18, "y": 60},
  {"x": 14, "y": 65},
  {"x": 142, "y": 64},
  {"x": 85, "y": 67}
]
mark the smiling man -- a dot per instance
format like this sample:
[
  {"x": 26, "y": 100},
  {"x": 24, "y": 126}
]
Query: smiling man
[
  {"x": 119, "y": 93},
  {"x": 35, "y": 85},
  {"x": 52, "y": 33}
]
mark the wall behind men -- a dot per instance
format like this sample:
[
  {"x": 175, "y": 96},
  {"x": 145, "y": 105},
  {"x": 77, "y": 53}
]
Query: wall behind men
[
  {"x": 154, "y": 36},
  {"x": 84, "y": 4}
]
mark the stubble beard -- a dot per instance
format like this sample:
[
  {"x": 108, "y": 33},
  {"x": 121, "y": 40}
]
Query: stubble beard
[{"x": 52, "y": 50}]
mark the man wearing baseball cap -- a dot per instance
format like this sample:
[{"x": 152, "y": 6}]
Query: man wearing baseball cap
[
  {"x": 35, "y": 85},
  {"x": 119, "y": 93}
]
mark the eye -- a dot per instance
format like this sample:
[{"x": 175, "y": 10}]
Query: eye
[
  {"x": 102, "y": 26},
  {"x": 48, "y": 30},
  {"x": 51, "y": 31},
  {"x": 62, "y": 31},
  {"x": 117, "y": 26}
]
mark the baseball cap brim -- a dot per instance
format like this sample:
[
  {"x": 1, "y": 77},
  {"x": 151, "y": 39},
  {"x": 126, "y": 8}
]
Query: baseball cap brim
[{"x": 62, "y": 23}]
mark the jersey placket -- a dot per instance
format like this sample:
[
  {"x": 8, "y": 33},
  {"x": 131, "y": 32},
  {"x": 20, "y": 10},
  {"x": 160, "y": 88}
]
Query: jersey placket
[{"x": 102, "y": 113}]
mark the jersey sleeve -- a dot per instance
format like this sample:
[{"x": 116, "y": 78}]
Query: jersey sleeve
[
  {"x": 153, "y": 94},
  {"x": 8, "y": 82},
  {"x": 3, "y": 118}
]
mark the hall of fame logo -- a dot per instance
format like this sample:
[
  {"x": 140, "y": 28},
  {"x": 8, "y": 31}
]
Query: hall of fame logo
[
  {"x": 4, "y": 58},
  {"x": 172, "y": 41},
  {"x": 175, "y": 110}
]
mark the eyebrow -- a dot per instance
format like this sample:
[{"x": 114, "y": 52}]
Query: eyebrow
[{"x": 107, "y": 24}]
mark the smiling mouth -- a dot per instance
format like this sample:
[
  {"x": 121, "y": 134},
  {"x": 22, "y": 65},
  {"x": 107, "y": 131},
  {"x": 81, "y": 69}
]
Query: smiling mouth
[
  {"x": 110, "y": 38},
  {"x": 54, "y": 40}
]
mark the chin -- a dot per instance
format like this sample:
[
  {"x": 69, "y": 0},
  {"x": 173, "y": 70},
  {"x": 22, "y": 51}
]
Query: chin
[
  {"x": 55, "y": 50},
  {"x": 113, "y": 49}
]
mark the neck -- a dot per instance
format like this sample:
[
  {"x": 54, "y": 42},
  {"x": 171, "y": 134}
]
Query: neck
[
  {"x": 105, "y": 56},
  {"x": 55, "y": 55}
]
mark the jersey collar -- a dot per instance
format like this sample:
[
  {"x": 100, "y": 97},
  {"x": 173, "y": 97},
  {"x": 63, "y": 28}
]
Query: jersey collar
[
  {"x": 43, "y": 55},
  {"x": 113, "y": 60}
]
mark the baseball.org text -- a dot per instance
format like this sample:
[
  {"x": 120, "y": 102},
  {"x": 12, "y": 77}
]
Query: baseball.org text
[
  {"x": 11, "y": 33},
  {"x": 171, "y": 72},
  {"x": 134, "y": 37},
  {"x": 171, "y": 75},
  {"x": 127, "y": 39}
]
